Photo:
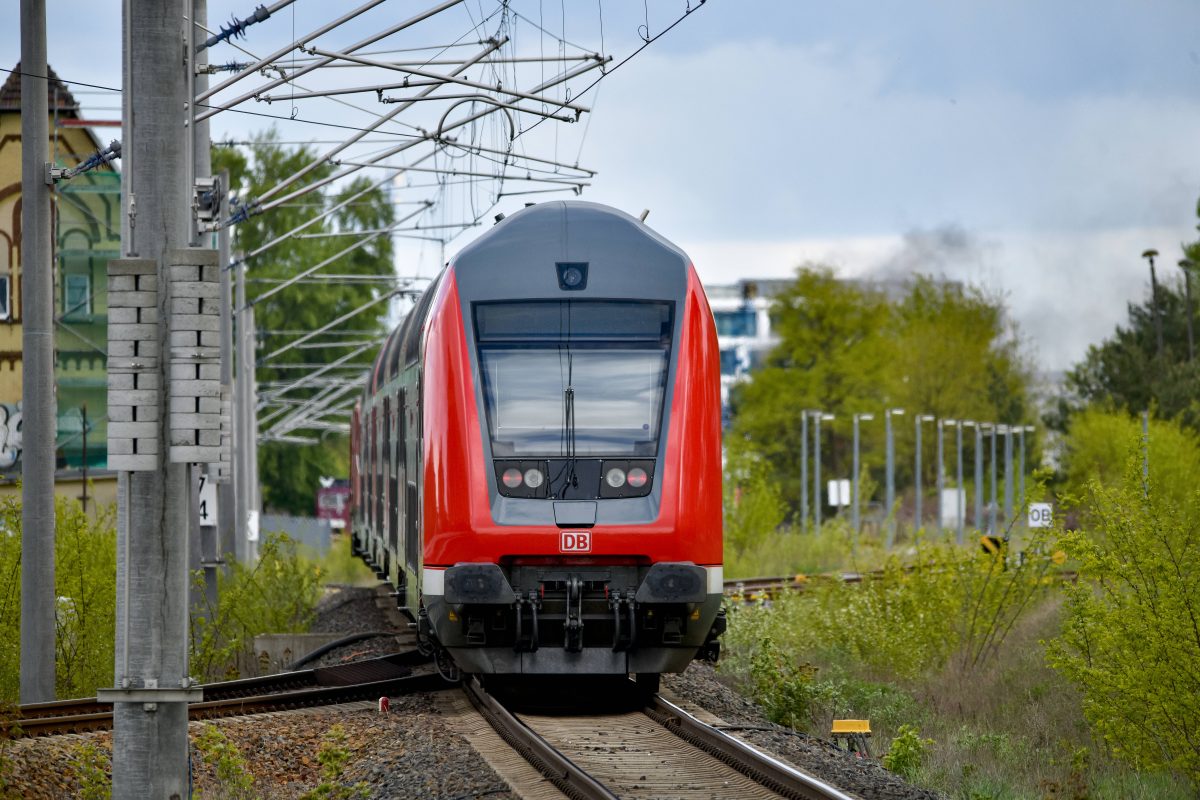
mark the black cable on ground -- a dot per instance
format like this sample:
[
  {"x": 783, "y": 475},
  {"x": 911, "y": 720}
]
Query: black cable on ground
[{"x": 334, "y": 645}]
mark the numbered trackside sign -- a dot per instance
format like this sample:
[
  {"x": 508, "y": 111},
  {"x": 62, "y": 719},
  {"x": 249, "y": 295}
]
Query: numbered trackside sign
[
  {"x": 207, "y": 496},
  {"x": 575, "y": 542},
  {"x": 1041, "y": 515}
]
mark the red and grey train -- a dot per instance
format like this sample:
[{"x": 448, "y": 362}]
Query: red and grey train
[{"x": 536, "y": 459}]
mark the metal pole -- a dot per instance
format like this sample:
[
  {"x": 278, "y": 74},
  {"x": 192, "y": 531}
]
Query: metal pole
[
  {"x": 1146, "y": 449},
  {"x": 918, "y": 489},
  {"x": 891, "y": 476},
  {"x": 961, "y": 500},
  {"x": 854, "y": 480},
  {"x": 804, "y": 470},
  {"x": 38, "y": 401},
  {"x": 242, "y": 412},
  {"x": 1008, "y": 476},
  {"x": 1150, "y": 255},
  {"x": 978, "y": 517},
  {"x": 1186, "y": 266},
  {"x": 817, "y": 472},
  {"x": 941, "y": 481},
  {"x": 150, "y": 742},
  {"x": 992, "y": 509},
  {"x": 1021, "y": 473}
]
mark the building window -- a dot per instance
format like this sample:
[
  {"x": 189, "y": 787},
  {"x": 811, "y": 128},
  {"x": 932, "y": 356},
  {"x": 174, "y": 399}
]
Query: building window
[
  {"x": 741, "y": 322},
  {"x": 77, "y": 295},
  {"x": 5, "y": 297},
  {"x": 729, "y": 361}
]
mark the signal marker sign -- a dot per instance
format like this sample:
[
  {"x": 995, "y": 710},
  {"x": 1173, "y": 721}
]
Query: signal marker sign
[{"x": 575, "y": 542}]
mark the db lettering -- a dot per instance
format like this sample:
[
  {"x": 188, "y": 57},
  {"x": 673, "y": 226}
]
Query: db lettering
[{"x": 576, "y": 542}]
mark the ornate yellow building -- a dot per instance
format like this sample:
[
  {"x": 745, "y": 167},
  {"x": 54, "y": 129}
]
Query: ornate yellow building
[{"x": 87, "y": 234}]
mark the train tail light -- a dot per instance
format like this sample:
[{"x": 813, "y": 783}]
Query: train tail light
[
  {"x": 637, "y": 477},
  {"x": 512, "y": 478}
]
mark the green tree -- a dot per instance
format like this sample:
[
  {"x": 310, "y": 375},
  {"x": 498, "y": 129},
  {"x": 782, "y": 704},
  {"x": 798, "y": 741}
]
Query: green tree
[
  {"x": 1126, "y": 371},
  {"x": 289, "y": 472},
  {"x": 845, "y": 348},
  {"x": 1131, "y": 640}
]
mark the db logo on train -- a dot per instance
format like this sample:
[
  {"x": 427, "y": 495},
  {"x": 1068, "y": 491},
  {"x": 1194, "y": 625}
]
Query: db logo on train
[{"x": 576, "y": 542}]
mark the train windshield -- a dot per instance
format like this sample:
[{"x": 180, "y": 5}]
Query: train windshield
[{"x": 570, "y": 377}]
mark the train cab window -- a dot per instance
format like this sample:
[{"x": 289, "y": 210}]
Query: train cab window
[{"x": 580, "y": 378}]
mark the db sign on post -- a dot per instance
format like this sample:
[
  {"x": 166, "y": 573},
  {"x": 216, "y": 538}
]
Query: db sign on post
[
  {"x": 575, "y": 542},
  {"x": 1041, "y": 515}
]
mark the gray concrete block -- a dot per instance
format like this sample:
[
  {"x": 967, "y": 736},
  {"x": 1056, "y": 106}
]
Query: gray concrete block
[
  {"x": 132, "y": 299},
  {"x": 195, "y": 421},
  {"x": 195, "y": 322},
  {"x": 132, "y": 463},
  {"x": 132, "y": 266},
  {"x": 133, "y": 430},
  {"x": 184, "y": 305},
  {"x": 200, "y": 256}
]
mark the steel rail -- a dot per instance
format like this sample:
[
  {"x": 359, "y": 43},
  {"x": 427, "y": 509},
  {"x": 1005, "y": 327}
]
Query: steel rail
[
  {"x": 301, "y": 689},
  {"x": 750, "y": 761},
  {"x": 567, "y": 776}
]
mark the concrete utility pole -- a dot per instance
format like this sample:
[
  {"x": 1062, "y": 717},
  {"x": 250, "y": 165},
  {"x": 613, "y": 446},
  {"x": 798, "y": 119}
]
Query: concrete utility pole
[
  {"x": 941, "y": 472},
  {"x": 817, "y": 501},
  {"x": 995, "y": 504},
  {"x": 890, "y": 469},
  {"x": 918, "y": 490},
  {"x": 150, "y": 743},
  {"x": 227, "y": 499},
  {"x": 980, "y": 430},
  {"x": 38, "y": 401},
  {"x": 1186, "y": 265},
  {"x": 1008, "y": 476},
  {"x": 857, "y": 507},
  {"x": 962, "y": 493}
]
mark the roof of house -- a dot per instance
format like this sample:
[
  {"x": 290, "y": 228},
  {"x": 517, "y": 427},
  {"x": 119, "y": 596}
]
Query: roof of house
[{"x": 58, "y": 95}]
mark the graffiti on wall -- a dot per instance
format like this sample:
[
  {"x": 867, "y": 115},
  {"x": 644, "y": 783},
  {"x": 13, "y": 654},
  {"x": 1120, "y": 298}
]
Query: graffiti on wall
[{"x": 10, "y": 435}]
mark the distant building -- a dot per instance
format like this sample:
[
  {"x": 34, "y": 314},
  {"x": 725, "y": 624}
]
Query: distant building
[
  {"x": 87, "y": 224},
  {"x": 744, "y": 332}
]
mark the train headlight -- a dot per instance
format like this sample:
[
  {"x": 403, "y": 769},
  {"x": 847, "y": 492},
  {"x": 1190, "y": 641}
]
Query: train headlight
[
  {"x": 637, "y": 477},
  {"x": 512, "y": 477},
  {"x": 615, "y": 477},
  {"x": 533, "y": 478}
]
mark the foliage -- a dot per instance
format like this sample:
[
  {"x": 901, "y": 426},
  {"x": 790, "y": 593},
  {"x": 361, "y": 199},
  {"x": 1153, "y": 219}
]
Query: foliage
[
  {"x": 1099, "y": 444},
  {"x": 785, "y": 689},
  {"x": 845, "y": 348},
  {"x": 289, "y": 472},
  {"x": 85, "y": 586},
  {"x": 333, "y": 756},
  {"x": 906, "y": 752},
  {"x": 754, "y": 509},
  {"x": 92, "y": 766},
  {"x": 232, "y": 774},
  {"x": 1131, "y": 641},
  {"x": 278, "y": 594},
  {"x": 339, "y": 566},
  {"x": 1127, "y": 372}
]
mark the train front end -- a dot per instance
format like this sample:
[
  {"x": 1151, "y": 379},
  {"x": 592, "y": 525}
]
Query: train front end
[{"x": 572, "y": 476}]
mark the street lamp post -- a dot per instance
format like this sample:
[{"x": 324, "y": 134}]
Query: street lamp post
[
  {"x": 941, "y": 479},
  {"x": 804, "y": 469},
  {"x": 961, "y": 501},
  {"x": 917, "y": 500},
  {"x": 857, "y": 519},
  {"x": 1008, "y": 476},
  {"x": 980, "y": 430},
  {"x": 1186, "y": 266},
  {"x": 818, "y": 417},
  {"x": 994, "y": 504},
  {"x": 1021, "y": 431},
  {"x": 891, "y": 474},
  {"x": 1150, "y": 255}
]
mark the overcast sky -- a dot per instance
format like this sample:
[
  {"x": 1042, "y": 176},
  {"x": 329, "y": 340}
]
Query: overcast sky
[{"x": 1033, "y": 148}]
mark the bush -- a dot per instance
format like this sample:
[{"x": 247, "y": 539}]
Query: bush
[
  {"x": 333, "y": 756},
  {"x": 85, "y": 580},
  {"x": 278, "y": 594},
  {"x": 233, "y": 778},
  {"x": 1131, "y": 641},
  {"x": 906, "y": 752}
]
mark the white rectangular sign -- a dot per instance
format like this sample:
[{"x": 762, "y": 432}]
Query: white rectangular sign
[
  {"x": 1041, "y": 515},
  {"x": 839, "y": 492},
  {"x": 207, "y": 495}
]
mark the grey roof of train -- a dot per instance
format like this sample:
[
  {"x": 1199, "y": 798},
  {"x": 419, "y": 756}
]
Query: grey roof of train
[{"x": 555, "y": 223}]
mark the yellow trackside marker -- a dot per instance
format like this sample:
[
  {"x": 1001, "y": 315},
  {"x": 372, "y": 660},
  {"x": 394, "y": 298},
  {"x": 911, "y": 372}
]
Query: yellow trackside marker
[
  {"x": 801, "y": 578},
  {"x": 1059, "y": 557},
  {"x": 847, "y": 726},
  {"x": 991, "y": 544}
]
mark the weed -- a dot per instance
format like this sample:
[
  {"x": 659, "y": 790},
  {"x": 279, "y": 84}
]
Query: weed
[
  {"x": 906, "y": 752},
  {"x": 92, "y": 771},
  {"x": 333, "y": 756},
  {"x": 232, "y": 775}
]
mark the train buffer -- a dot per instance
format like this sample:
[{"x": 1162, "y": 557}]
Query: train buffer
[{"x": 852, "y": 735}]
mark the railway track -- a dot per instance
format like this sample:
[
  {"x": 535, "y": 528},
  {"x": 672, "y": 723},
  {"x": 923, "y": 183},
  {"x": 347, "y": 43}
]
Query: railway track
[
  {"x": 655, "y": 750},
  {"x": 765, "y": 588},
  {"x": 363, "y": 680}
]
